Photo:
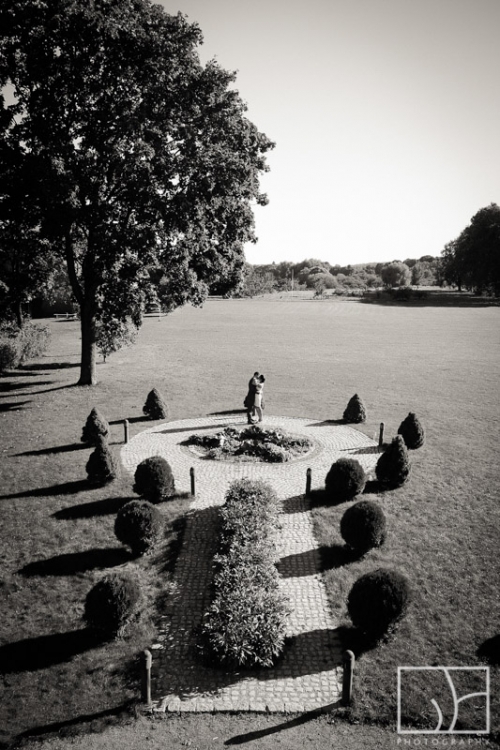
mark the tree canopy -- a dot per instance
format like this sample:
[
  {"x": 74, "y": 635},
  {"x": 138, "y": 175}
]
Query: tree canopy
[
  {"x": 473, "y": 258},
  {"x": 144, "y": 168}
]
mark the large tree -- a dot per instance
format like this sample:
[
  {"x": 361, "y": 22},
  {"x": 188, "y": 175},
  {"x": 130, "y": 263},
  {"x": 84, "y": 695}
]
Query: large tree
[
  {"x": 145, "y": 167},
  {"x": 473, "y": 258}
]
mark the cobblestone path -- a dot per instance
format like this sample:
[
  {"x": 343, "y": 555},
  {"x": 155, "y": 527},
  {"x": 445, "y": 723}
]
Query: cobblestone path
[{"x": 309, "y": 675}]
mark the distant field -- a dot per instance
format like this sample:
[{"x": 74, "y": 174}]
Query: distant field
[{"x": 441, "y": 362}]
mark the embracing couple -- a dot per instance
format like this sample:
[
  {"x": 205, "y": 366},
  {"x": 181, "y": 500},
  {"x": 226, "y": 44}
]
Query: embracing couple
[{"x": 254, "y": 401}]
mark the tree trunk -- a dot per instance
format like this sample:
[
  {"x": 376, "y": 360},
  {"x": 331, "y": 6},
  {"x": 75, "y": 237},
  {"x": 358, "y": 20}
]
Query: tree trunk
[
  {"x": 88, "y": 373},
  {"x": 19, "y": 313}
]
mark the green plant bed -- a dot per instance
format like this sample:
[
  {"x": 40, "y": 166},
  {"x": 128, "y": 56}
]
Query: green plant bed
[{"x": 253, "y": 443}]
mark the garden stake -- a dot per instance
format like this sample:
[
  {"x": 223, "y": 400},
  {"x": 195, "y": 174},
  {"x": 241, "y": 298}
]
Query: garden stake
[
  {"x": 126, "y": 427},
  {"x": 349, "y": 661},
  {"x": 191, "y": 474},
  {"x": 147, "y": 661},
  {"x": 381, "y": 435},
  {"x": 308, "y": 481}
]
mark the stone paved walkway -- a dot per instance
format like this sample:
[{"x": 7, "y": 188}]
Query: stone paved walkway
[{"x": 309, "y": 675}]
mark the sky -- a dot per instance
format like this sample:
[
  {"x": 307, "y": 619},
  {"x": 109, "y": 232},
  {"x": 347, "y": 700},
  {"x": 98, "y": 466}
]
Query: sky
[{"x": 385, "y": 115}]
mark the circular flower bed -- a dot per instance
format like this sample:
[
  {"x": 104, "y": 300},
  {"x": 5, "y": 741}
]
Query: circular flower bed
[{"x": 250, "y": 444}]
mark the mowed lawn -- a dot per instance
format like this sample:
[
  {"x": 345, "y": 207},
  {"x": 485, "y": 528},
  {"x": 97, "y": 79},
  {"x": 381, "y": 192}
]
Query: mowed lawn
[{"x": 441, "y": 362}]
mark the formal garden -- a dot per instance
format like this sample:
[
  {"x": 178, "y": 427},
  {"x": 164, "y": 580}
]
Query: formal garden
[{"x": 90, "y": 548}]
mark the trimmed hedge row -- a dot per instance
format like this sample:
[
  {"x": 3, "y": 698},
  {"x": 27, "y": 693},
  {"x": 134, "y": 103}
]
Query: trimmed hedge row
[{"x": 246, "y": 622}]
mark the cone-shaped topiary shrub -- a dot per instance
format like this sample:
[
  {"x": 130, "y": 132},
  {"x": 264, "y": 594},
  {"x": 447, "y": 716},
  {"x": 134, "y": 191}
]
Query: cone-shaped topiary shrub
[
  {"x": 345, "y": 480},
  {"x": 412, "y": 432},
  {"x": 363, "y": 526},
  {"x": 154, "y": 480},
  {"x": 393, "y": 466},
  {"x": 377, "y": 601},
  {"x": 101, "y": 467},
  {"x": 155, "y": 407},
  {"x": 95, "y": 426},
  {"x": 112, "y": 603},
  {"x": 355, "y": 411},
  {"x": 139, "y": 525}
]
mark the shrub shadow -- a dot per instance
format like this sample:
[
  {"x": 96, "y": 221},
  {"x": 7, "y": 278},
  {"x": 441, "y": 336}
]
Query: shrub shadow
[
  {"x": 66, "y": 488},
  {"x": 77, "y": 562},
  {"x": 374, "y": 487},
  {"x": 106, "y": 507},
  {"x": 489, "y": 650},
  {"x": 315, "y": 561},
  {"x": 44, "y": 651},
  {"x": 13, "y": 405},
  {"x": 327, "y": 423},
  {"x": 296, "y": 504},
  {"x": 56, "y": 449},
  {"x": 352, "y": 639}
]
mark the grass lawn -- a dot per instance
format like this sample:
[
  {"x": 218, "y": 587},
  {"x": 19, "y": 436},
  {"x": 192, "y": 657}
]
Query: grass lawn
[{"x": 57, "y": 535}]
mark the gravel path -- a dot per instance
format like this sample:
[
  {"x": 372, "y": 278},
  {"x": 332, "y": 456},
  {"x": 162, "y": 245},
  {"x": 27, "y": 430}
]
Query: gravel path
[{"x": 309, "y": 676}]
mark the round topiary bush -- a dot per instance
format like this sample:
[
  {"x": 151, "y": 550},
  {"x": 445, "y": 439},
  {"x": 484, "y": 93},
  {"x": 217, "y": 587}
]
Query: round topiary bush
[
  {"x": 155, "y": 407},
  {"x": 345, "y": 480},
  {"x": 139, "y": 525},
  {"x": 393, "y": 466},
  {"x": 412, "y": 432},
  {"x": 377, "y": 601},
  {"x": 101, "y": 467},
  {"x": 154, "y": 480},
  {"x": 363, "y": 526},
  {"x": 355, "y": 411},
  {"x": 112, "y": 603},
  {"x": 95, "y": 427}
]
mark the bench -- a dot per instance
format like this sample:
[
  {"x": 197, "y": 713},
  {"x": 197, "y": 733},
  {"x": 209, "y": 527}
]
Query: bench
[{"x": 66, "y": 316}]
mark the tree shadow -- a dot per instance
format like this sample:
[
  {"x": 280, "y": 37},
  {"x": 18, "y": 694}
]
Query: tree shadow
[
  {"x": 49, "y": 390},
  {"x": 44, "y": 651},
  {"x": 66, "y": 488},
  {"x": 433, "y": 299},
  {"x": 7, "y": 387},
  {"x": 13, "y": 405},
  {"x": 56, "y": 449},
  {"x": 49, "y": 366},
  {"x": 106, "y": 507},
  {"x": 489, "y": 650},
  {"x": 77, "y": 562}
]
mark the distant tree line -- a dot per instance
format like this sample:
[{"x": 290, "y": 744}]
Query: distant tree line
[{"x": 320, "y": 276}]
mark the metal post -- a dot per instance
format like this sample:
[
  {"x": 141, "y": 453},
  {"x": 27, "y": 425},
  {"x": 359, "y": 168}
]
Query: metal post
[
  {"x": 349, "y": 661},
  {"x": 147, "y": 661},
  {"x": 126, "y": 426},
  {"x": 308, "y": 481},
  {"x": 381, "y": 435},
  {"x": 191, "y": 474}
]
